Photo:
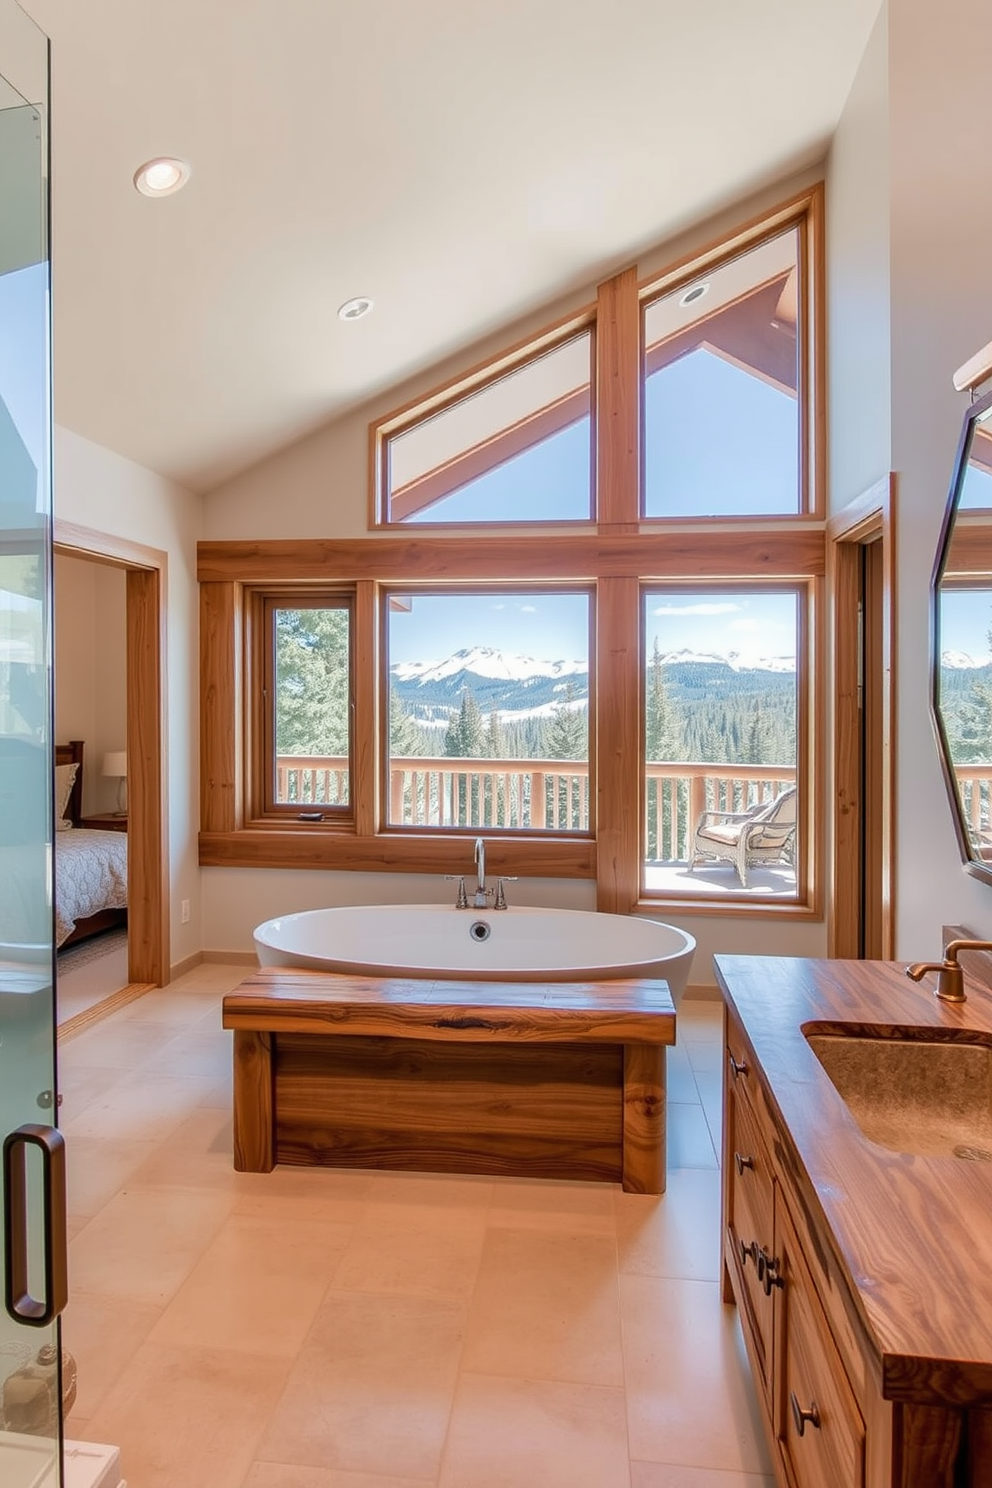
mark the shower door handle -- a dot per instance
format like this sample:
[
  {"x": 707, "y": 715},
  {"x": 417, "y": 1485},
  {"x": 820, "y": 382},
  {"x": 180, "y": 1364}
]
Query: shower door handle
[{"x": 20, "y": 1304}]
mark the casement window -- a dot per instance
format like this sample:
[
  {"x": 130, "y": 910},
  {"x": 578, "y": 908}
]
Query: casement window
[
  {"x": 725, "y": 704},
  {"x": 487, "y": 719},
  {"x": 367, "y": 700},
  {"x": 515, "y": 447},
  {"x": 304, "y": 708}
]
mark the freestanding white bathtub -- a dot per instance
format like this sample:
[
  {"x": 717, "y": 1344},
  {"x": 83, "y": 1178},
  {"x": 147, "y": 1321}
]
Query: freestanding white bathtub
[{"x": 439, "y": 941}]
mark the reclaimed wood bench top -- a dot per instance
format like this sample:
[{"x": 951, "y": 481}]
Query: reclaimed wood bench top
[{"x": 285, "y": 1000}]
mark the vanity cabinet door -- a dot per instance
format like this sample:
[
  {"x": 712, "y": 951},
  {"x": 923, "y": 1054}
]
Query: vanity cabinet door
[
  {"x": 750, "y": 1229},
  {"x": 818, "y": 1424}
]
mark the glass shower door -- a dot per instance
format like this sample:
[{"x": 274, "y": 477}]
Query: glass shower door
[{"x": 32, "y": 1217}]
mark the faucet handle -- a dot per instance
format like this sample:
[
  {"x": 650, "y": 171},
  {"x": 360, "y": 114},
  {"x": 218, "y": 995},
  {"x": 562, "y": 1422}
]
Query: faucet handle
[
  {"x": 461, "y": 898},
  {"x": 500, "y": 900}
]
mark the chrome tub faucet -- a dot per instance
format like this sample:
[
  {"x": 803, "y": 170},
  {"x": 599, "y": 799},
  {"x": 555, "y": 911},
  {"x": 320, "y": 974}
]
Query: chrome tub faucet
[{"x": 481, "y": 896}]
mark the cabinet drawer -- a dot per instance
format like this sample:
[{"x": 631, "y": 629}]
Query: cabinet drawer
[
  {"x": 751, "y": 1226},
  {"x": 820, "y": 1427}
]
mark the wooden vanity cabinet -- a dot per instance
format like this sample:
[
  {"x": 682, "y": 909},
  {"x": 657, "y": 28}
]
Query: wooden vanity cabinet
[{"x": 810, "y": 1409}]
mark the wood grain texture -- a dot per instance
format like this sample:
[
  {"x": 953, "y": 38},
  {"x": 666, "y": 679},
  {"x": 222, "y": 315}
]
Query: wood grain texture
[
  {"x": 146, "y": 617},
  {"x": 618, "y": 401},
  {"x": 894, "y": 1235},
  {"x": 254, "y": 1104},
  {"x": 930, "y": 1444},
  {"x": 758, "y": 549},
  {"x": 503, "y": 1078},
  {"x": 281, "y": 1000},
  {"x": 644, "y": 1166},
  {"x": 618, "y": 671},
  {"x": 148, "y": 873},
  {"x": 221, "y": 750},
  {"x": 315, "y": 845}
]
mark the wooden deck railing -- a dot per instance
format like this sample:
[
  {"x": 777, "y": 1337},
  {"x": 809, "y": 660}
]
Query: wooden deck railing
[
  {"x": 538, "y": 793},
  {"x": 975, "y": 790}
]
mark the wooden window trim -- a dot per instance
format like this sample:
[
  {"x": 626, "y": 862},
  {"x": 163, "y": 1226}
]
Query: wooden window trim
[
  {"x": 617, "y": 553},
  {"x": 491, "y": 453},
  {"x": 806, "y": 903},
  {"x": 804, "y": 213},
  {"x": 261, "y": 807},
  {"x": 386, "y": 827}
]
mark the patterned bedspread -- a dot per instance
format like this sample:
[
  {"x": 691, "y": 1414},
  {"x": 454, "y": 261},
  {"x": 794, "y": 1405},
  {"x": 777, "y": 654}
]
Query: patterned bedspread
[{"x": 90, "y": 875}]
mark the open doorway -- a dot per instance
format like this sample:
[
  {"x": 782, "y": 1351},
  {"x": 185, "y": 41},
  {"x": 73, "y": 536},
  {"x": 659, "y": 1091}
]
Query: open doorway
[
  {"x": 117, "y": 588},
  {"x": 861, "y": 566}
]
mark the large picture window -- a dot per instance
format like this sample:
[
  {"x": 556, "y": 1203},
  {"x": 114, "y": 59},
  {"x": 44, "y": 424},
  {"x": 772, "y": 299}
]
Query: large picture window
[
  {"x": 488, "y": 711},
  {"x": 721, "y": 737},
  {"x": 307, "y": 693}
]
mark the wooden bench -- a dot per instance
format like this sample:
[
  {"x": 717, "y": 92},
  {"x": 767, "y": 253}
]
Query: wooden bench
[{"x": 549, "y": 1080}]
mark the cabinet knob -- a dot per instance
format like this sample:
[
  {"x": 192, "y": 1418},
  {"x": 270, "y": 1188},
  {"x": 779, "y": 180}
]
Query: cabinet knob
[
  {"x": 737, "y": 1068},
  {"x": 768, "y": 1273},
  {"x": 749, "y": 1252},
  {"x": 741, "y": 1162},
  {"x": 801, "y": 1418}
]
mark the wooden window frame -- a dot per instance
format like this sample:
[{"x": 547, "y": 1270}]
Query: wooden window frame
[
  {"x": 525, "y": 434},
  {"x": 616, "y": 557},
  {"x": 509, "y": 586},
  {"x": 804, "y": 213},
  {"x": 804, "y": 898},
  {"x": 260, "y": 606}
]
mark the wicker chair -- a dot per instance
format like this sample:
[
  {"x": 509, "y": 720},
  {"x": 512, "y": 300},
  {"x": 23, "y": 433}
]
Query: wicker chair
[{"x": 765, "y": 834}]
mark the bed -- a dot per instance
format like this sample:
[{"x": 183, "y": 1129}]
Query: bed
[{"x": 90, "y": 866}]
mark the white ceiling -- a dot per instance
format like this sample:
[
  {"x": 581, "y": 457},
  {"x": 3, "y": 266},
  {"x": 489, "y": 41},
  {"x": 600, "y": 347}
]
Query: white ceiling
[{"x": 461, "y": 161}]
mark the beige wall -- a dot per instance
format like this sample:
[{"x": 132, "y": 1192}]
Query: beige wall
[
  {"x": 91, "y": 668},
  {"x": 95, "y": 488},
  {"x": 910, "y": 299}
]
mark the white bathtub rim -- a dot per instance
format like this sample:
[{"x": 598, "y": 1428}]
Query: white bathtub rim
[{"x": 669, "y": 960}]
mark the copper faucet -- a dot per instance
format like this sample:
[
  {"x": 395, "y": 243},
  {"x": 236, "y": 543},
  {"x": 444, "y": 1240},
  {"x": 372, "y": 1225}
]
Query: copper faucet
[{"x": 950, "y": 978}]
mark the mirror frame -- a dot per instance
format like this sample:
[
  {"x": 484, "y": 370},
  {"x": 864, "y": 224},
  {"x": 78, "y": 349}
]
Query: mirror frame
[{"x": 975, "y": 414}]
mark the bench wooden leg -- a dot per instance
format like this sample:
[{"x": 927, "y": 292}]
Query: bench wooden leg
[
  {"x": 644, "y": 1165},
  {"x": 254, "y": 1106}
]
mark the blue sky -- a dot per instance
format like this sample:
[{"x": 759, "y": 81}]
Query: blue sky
[
  {"x": 549, "y": 627},
  {"x": 723, "y": 623},
  {"x": 965, "y": 621},
  {"x": 718, "y": 441}
]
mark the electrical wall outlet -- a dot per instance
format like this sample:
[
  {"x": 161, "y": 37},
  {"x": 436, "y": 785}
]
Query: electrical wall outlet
[{"x": 184, "y": 911}]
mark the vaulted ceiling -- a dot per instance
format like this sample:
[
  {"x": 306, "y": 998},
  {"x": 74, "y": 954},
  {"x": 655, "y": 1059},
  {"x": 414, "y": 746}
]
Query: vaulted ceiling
[{"x": 460, "y": 161}]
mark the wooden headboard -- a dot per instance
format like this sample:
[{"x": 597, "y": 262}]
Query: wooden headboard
[{"x": 72, "y": 754}]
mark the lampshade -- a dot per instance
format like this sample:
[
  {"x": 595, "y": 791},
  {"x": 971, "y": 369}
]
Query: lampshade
[{"x": 115, "y": 763}]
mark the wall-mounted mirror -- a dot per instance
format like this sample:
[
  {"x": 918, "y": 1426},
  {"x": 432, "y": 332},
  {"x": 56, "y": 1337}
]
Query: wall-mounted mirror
[{"x": 961, "y": 679}]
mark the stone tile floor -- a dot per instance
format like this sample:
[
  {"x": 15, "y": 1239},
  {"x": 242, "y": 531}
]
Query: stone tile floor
[{"x": 321, "y": 1329}]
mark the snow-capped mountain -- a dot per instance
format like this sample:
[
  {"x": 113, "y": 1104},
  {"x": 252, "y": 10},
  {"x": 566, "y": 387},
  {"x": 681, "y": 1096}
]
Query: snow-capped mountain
[
  {"x": 735, "y": 661},
  {"x": 959, "y": 661},
  {"x": 484, "y": 661},
  {"x": 522, "y": 687}
]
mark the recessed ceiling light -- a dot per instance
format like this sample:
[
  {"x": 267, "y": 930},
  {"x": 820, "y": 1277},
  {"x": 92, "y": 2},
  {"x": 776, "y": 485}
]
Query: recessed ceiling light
[
  {"x": 692, "y": 295},
  {"x": 161, "y": 176},
  {"x": 356, "y": 308}
]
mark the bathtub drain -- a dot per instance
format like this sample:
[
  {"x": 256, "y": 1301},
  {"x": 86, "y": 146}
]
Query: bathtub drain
[{"x": 479, "y": 930}]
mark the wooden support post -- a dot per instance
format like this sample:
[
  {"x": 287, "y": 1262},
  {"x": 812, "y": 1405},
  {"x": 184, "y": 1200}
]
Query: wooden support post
[
  {"x": 254, "y": 1106},
  {"x": 644, "y": 1166}
]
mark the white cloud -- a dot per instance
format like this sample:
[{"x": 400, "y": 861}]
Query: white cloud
[
  {"x": 707, "y": 608},
  {"x": 528, "y": 609}
]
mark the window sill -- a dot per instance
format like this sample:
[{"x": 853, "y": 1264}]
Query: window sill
[{"x": 325, "y": 847}]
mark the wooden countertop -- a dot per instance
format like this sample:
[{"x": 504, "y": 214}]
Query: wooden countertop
[
  {"x": 278, "y": 999},
  {"x": 912, "y": 1235}
]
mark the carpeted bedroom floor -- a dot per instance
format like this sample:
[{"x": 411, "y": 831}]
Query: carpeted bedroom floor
[{"x": 90, "y": 971}]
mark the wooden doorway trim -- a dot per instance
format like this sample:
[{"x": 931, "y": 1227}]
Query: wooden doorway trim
[
  {"x": 147, "y": 873},
  {"x": 870, "y": 518}
]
